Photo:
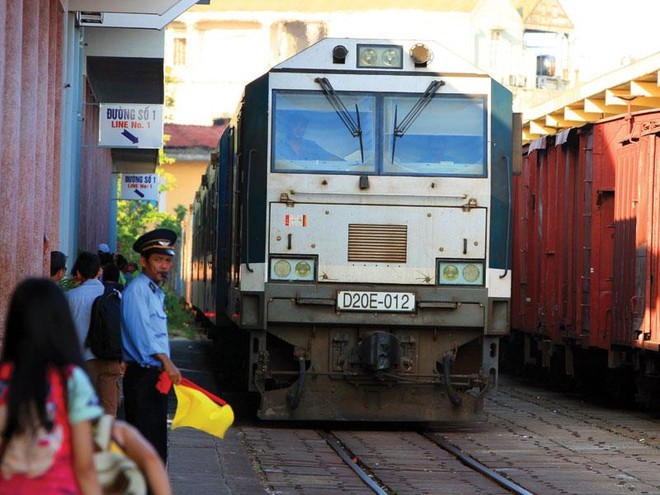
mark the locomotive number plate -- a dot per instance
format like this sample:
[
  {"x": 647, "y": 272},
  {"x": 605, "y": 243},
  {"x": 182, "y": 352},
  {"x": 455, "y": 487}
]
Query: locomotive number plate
[{"x": 376, "y": 301}]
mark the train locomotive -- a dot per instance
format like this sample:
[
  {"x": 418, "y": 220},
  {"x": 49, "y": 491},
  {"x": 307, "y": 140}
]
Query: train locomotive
[{"x": 352, "y": 234}]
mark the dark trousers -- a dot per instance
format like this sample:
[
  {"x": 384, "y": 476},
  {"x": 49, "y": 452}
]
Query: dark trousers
[{"x": 145, "y": 406}]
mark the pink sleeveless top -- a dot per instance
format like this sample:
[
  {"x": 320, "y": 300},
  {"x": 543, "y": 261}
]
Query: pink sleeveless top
[{"x": 59, "y": 478}]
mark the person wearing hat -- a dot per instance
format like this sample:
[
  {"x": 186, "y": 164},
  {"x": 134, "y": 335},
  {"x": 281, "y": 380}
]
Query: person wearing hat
[
  {"x": 103, "y": 250},
  {"x": 146, "y": 347}
]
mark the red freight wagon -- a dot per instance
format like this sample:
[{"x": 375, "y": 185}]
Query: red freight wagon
[{"x": 586, "y": 245}]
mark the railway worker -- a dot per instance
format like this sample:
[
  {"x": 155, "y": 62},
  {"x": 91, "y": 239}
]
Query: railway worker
[{"x": 145, "y": 341}]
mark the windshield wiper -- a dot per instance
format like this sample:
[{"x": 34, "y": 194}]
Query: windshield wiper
[
  {"x": 354, "y": 128},
  {"x": 424, "y": 100}
]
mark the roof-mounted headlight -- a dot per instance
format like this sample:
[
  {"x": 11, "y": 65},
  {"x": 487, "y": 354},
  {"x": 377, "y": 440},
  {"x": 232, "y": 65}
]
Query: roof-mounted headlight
[
  {"x": 421, "y": 54},
  {"x": 380, "y": 56},
  {"x": 339, "y": 53}
]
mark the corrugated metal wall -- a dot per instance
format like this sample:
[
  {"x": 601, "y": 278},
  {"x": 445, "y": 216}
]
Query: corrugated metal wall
[
  {"x": 30, "y": 101},
  {"x": 563, "y": 238}
]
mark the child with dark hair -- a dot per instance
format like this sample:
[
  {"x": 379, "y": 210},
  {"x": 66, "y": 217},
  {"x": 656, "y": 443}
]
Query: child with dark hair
[{"x": 47, "y": 403}]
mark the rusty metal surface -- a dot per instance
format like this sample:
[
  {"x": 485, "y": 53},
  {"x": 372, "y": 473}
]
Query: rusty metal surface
[
  {"x": 586, "y": 237},
  {"x": 563, "y": 226}
]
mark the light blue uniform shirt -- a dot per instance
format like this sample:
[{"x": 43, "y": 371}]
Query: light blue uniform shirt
[
  {"x": 80, "y": 302},
  {"x": 144, "y": 322}
]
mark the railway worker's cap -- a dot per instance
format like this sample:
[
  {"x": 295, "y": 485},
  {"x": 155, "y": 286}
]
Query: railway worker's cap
[{"x": 157, "y": 241}]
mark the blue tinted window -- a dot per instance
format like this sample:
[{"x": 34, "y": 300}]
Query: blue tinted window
[
  {"x": 448, "y": 137},
  {"x": 310, "y": 136}
]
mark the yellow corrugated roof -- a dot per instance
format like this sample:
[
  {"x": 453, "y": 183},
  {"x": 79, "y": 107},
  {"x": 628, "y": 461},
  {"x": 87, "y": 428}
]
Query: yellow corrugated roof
[
  {"x": 337, "y": 5},
  {"x": 633, "y": 88}
]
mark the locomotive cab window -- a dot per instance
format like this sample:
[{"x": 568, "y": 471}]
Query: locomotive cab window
[
  {"x": 309, "y": 136},
  {"x": 379, "y": 134},
  {"x": 447, "y": 137}
]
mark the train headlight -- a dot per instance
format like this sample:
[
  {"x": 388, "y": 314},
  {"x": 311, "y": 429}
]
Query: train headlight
[
  {"x": 293, "y": 269},
  {"x": 303, "y": 269},
  {"x": 368, "y": 57},
  {"x": 392, "y": 58},
  {"x": 460, "y": 273},
  {"x": 282, "y": 268},
  {"x": 471, "y": 273},
  {"x": 450, "y": 272},
  {"x": 421, "y": 54},
  {"x": 383, "y": 56}
]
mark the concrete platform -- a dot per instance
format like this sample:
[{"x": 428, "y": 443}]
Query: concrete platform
[{"x": 200, "y": 464}]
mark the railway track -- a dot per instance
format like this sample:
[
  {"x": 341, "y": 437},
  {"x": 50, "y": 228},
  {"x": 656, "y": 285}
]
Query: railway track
[
  {"x": 380, "y": 462},
  {"x": 541, "y": 441}
]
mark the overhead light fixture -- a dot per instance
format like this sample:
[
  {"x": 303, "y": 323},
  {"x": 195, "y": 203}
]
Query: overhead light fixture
[{"x": 83, "y": 18}]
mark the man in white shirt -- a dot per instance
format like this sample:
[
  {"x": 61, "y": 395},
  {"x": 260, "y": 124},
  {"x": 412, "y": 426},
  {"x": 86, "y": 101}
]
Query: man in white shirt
[{"x": 104, "y": 374}]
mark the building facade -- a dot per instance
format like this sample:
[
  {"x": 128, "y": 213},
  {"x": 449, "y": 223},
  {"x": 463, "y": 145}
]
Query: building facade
[
  {"x": 61, "y": 61},
  {"x": 212, "y": 51}
]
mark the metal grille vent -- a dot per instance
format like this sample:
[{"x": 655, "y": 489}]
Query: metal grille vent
[{"x": 377, "y": 243}]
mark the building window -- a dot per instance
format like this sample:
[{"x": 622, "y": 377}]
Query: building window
[{"x": 179, "y": 51}]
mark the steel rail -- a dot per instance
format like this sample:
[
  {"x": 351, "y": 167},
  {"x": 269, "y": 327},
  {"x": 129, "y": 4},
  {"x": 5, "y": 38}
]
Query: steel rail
[
  {"x": 476, "y": 465},
  {"x": 339, "y": 448}
]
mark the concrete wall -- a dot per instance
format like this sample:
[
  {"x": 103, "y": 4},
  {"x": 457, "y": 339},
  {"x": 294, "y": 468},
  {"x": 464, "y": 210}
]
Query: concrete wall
[
  {"x": 95, "y": 182},
  {"x": 30, "y": 102},
  {"x": 187, "y": 176}
]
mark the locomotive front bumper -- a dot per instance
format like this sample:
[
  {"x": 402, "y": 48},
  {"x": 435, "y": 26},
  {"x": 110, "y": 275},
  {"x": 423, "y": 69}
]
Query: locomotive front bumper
[{"x": 318, "y": 304}]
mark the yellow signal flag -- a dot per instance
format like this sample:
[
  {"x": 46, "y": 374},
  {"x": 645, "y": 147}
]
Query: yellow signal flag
[{"x": 199, "y": 409}]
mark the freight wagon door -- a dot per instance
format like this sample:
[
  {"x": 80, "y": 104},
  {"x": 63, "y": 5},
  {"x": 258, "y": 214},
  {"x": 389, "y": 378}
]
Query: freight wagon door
[
  {"x": 637, "y": 243},
  {"x": 627, "y": 258},
  {"x": 651, "y": 151},
  {"x": 604, "y": 217}
]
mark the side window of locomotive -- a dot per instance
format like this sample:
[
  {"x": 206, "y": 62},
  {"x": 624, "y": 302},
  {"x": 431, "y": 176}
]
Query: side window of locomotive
[
  {"x": 310, "y": 136},
  {"x": 447, "y": 137}
]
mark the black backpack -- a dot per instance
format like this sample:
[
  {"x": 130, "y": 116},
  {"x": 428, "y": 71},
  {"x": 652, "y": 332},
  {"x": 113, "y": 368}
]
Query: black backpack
[{"x": 104, "y": 336}]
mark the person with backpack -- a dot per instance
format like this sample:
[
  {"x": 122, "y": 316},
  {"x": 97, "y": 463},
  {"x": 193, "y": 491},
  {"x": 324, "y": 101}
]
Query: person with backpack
[
  {"x": 47, "y": 403},
  {"x": 92, "y": 307}
]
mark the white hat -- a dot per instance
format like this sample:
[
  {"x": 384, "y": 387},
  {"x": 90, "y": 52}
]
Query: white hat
[{"x": 103, "y": 248}]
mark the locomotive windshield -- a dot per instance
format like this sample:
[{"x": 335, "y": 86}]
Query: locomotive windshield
[
  {"x": 310, "y": 135},
  {"x": 447, "y": 138}
]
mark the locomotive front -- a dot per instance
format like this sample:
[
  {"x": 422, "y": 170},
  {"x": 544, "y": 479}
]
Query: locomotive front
[{"x": 372, "y": 265}]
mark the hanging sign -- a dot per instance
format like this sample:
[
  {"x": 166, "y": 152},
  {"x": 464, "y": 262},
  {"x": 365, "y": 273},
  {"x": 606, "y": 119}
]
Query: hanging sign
[
  {"x": 130, "y": 125},
  {"x": 139, "y": 186}
]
